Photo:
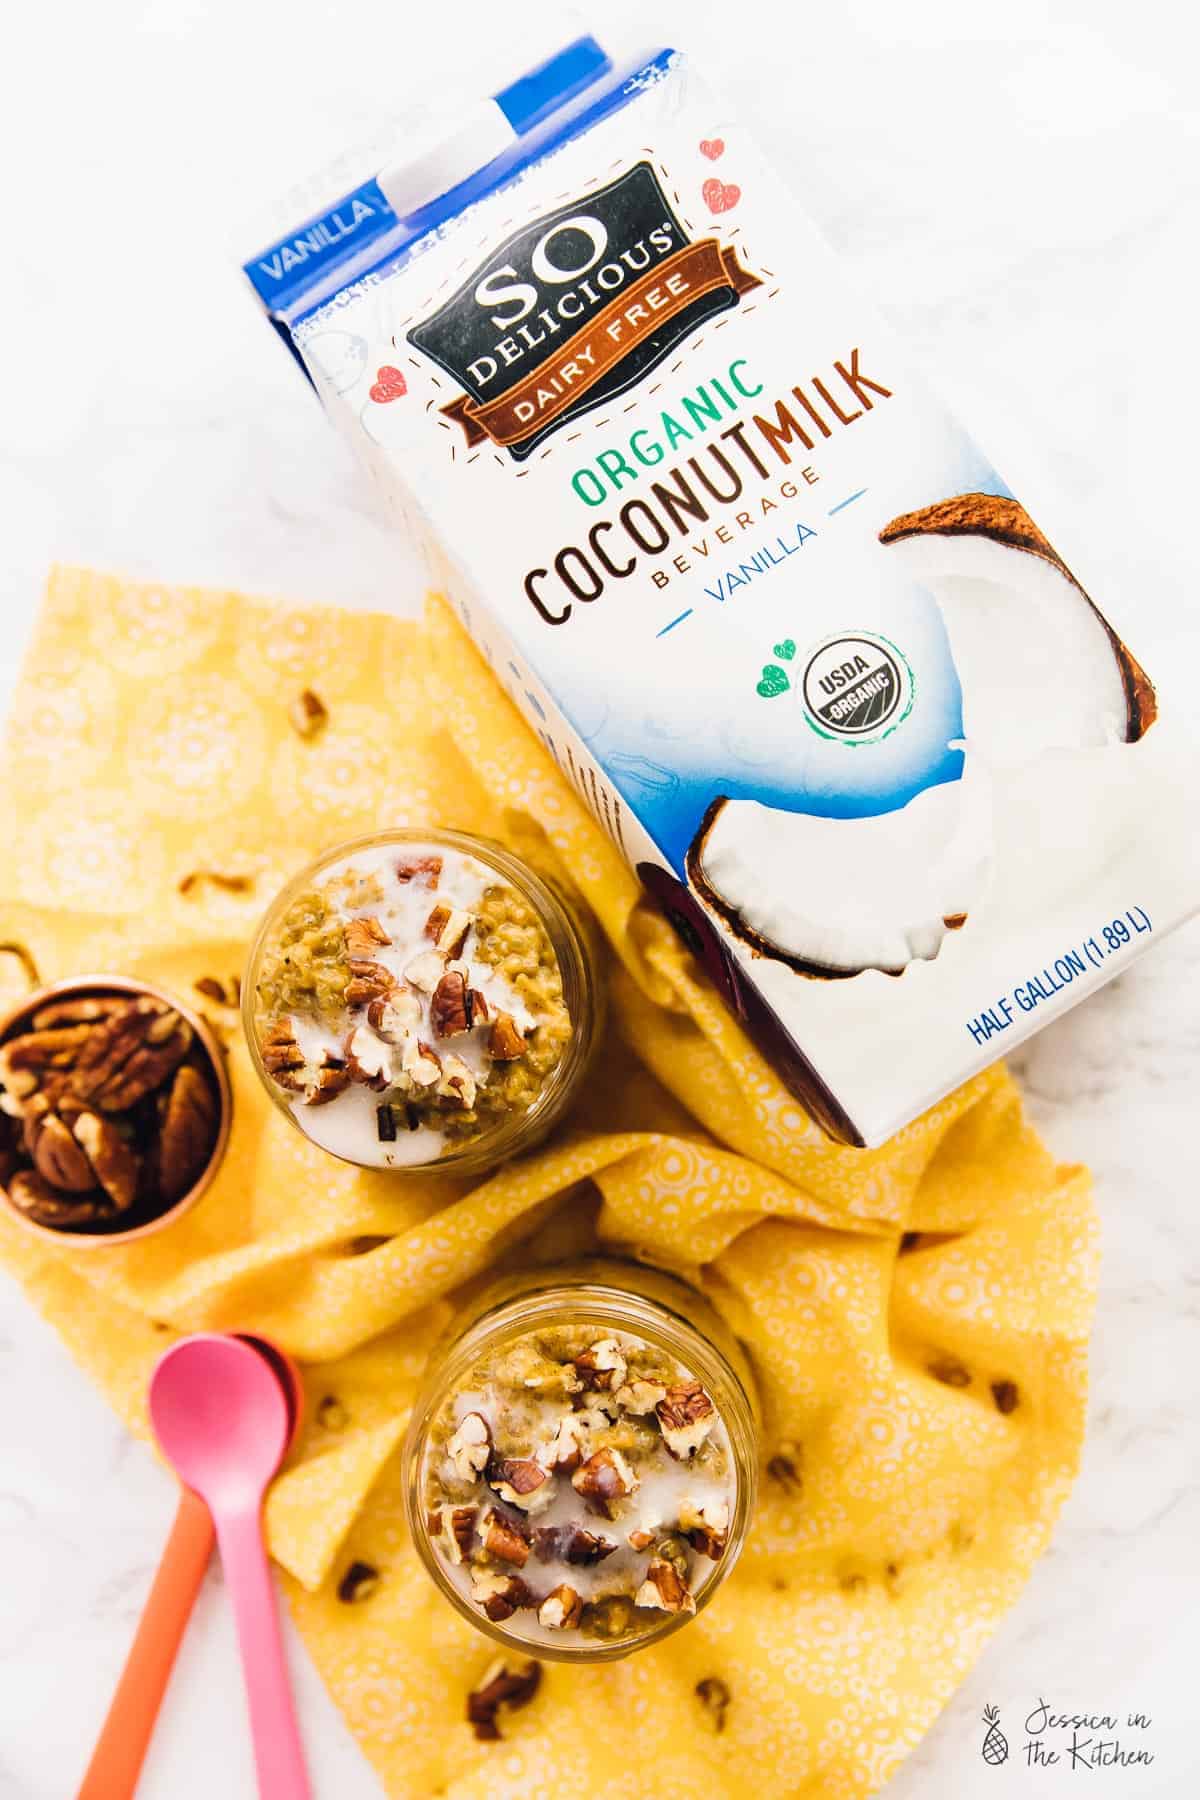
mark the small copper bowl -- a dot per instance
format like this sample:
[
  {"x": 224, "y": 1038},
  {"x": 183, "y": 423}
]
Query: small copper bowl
[{"x": 97, "y": 1235}]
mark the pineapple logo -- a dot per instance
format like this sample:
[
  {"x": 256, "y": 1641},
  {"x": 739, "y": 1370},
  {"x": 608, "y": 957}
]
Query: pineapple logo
[{"x": 995, "y": 1744}]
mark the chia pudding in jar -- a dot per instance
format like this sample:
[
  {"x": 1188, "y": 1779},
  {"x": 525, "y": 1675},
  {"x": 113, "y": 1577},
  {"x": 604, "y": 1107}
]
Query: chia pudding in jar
[
  {"x": 419, "y": 999},
  {"x": 579, "y": 1488}
]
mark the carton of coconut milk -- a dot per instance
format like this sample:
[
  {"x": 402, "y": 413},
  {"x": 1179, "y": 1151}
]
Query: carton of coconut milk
[{"x": 892, "y": 773}]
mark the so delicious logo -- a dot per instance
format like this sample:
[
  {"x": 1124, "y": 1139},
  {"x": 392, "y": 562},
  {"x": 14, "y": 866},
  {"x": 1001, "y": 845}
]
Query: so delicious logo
[{"x": 573, "y": 309}]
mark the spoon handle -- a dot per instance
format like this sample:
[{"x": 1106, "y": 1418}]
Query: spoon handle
[
  {"x": 120, "y": 1749},
  {"x": 278, "y": 1754}
]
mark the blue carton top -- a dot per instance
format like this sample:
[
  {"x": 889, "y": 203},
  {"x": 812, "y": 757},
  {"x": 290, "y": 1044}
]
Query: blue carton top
[{"x": 362, "y": 234}]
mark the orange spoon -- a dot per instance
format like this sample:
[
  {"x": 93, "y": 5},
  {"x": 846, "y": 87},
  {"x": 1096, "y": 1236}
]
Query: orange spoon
[{"x": 125, "y": 1735}]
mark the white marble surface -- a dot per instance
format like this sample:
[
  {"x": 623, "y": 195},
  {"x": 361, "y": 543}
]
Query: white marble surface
[{"x": 1018, "y": 185}]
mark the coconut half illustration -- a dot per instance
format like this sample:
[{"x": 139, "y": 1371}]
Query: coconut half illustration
[
  {"x": 1041, "y": 673},
  {"x": 1039, "y": 665},
  {"x": 833, "y": 897}
]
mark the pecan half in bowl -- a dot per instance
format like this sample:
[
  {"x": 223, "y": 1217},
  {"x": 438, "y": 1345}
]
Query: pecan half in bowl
[{"x": 115, "y": 1109}]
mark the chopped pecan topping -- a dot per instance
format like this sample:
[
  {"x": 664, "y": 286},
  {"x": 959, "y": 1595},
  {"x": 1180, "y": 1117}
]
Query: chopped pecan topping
[
  {"x": 395, "y": 1016},
  {"x": 673, "y": 1548},
  {"x": 283, "y": 1057},
  {"x": 419, "y": 868},
  {"x": 499, "y": 1596},
  {"x": 664, "y": 1589},
  {"x": 505, "y": 1537},
  {"x": 437, "y": 921},
  {"x": 508, "y": 1682},
  {"x": 706, "y": 1527},
  {"x": 570, "y": 1543},
  {"x": 307, "y": 714},
  {"x": 316, "y": 1083},
  {"x": 461, "y": 1527},
  {"x": 561, "y": 1610},
  {"x": 328, "y": 1080},
  {"x": 564, "y": 1452},
  {"x": 448, "y": 927},
  {"x": 604, "y": 1476},
  {"x": 602, "y": 1365},
  {"x": 455, "y": 1527},
  {"x": 188, "y": 1125},
  {"x": 451, "y": 1006},
  {"x": 358, "y": 1583},
  {"x": 368, "y": 981},
  {"x": 640, "y": 1397},
  {"x": 470, "y": 1447},
  {"x": 597, "y": 1412},
  {"x": 363, "y": 937},
  {"x": 457, "y": 1081},
  {"x": 505, "y": 1043},
  {"x": 522, "y": 1482},
  {"x": 368, "y": 1059},
  {"x": 686, "y": 1415},
  {"x": 425, "y": 971},
  {"x": 641, "y": 1540},
  {"x": 714, "y": 1697},
  {"x": 421, "y": 1063}
]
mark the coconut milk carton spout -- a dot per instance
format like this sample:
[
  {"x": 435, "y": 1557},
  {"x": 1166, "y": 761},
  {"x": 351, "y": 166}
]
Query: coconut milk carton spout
[{"x": 892, "y": 769}]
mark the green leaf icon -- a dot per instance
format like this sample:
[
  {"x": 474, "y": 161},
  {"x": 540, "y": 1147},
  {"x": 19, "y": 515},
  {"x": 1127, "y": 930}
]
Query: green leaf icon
[
  {"x": 786, "y": 650},
  {"x": 774, "y": 681}
]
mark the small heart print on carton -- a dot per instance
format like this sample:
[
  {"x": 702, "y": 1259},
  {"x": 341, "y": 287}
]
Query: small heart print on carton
[
  {"x": 712, "y": 148},
  {"x": 389, "y": 384},
  {"x": 774, "y": 681},
  {"x": 720, "y": 196},
  {"x": 786, "y": 650}
]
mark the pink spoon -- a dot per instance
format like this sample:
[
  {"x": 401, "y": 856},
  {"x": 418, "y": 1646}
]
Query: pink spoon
[
  {"x": 116, "y": 1761},
  {"x": 221, "y": 1420}
]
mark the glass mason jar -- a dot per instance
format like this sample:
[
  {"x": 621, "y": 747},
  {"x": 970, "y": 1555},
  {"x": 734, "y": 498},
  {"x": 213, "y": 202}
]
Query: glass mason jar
[
  {"x": 421, "y": 1089},
  {"x": 502, "y": 1346}
]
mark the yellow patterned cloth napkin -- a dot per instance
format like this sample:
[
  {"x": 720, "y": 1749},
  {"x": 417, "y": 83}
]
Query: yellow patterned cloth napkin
[{"x": 917, "y": 1315}]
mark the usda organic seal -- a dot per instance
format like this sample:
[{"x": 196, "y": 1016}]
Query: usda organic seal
[{"x": 857, "y": 686}]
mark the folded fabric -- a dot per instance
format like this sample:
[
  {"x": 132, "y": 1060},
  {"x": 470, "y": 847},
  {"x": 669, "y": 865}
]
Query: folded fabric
[{"x": 917, "y": 1315}]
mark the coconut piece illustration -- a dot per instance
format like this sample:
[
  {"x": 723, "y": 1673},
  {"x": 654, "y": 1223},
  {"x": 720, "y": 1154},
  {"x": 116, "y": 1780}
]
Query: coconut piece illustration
[
  {"x": 1043, "y": 678},
  {"x": 1039, "y": 665},
  {"x": 833, "y": 897}
]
